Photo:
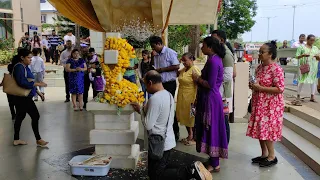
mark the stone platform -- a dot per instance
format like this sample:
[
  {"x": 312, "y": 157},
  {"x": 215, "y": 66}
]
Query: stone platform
[{"x": 115, "y": 134}]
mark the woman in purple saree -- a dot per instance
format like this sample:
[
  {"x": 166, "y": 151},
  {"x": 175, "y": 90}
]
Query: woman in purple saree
[{"x": 210, "y": 127}]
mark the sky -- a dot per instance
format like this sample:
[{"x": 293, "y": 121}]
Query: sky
[{"x": 281, "y": 24}]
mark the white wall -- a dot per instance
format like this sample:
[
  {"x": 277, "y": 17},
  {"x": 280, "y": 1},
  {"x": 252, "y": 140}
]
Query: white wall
[
  {"x": 46, "y": 6},
  {"x": 50, "y": 17}
]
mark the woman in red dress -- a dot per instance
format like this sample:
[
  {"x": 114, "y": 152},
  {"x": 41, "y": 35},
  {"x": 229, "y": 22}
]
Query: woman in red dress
[{"x": 267, "y": 105}]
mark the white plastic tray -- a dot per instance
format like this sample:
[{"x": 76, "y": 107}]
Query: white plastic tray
[{"x": 83, "y": 170}]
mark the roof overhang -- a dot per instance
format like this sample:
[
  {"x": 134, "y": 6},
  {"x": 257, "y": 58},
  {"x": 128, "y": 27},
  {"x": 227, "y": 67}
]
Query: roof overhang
[{"x": 112, "y": 13}]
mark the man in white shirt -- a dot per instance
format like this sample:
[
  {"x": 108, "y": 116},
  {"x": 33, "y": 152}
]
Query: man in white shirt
[
  {"x": 301, "y": 42},
  {"x": 71, "y": 37},
  {"x": 65, "y": 55},
  {"x": 157, "y": 117}
]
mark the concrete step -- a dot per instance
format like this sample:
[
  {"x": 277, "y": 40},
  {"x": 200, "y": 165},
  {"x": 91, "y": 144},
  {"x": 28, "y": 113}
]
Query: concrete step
[
  {"x": 306, "y": 113},
  {"x": 302, "y": 148},
  {"x": 116, "y": 137},
  {"x": 303, "y": 128},
  {"x": 127, "y": 162}
]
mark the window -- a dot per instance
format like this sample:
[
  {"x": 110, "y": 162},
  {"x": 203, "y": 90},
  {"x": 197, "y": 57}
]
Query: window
[
  {"x": 5, "y": 4},
  {"x": 43, "y": 18},
  {"x": 5, "y": 25}
]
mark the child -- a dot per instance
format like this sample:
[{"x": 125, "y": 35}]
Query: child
[
  {"x": 98, "y": 80},
  {"x": 145, "y": 66},
  {"x": 37, "y": 68}
]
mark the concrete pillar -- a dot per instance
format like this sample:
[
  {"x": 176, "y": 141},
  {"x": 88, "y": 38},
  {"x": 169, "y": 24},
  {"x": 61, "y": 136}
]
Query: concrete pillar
[{"x": 97, "y": 40}]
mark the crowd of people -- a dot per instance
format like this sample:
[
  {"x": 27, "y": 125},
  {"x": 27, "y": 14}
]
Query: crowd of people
[{"x": 204, "y": 98}]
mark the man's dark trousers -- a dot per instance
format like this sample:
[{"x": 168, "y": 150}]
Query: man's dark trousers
[
  {"x": 171, "y": 86},
  {"x": 87, "y": 83},
  {"x": 66, "y": 82}
]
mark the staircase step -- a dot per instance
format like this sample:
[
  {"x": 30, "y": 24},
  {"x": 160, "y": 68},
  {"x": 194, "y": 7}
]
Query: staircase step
[
  {"x": 303, "y": 128},
  {"x": 306, "y": 113},
  {"x": 302, "y": 148}
]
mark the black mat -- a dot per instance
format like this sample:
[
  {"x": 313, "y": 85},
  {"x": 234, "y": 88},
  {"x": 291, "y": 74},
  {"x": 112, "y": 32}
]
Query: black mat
[{"x": 178, "y": 159}]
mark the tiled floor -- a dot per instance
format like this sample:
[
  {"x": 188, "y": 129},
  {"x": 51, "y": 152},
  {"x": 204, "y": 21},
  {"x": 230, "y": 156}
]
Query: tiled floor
[{"x": 68, "y": 131}]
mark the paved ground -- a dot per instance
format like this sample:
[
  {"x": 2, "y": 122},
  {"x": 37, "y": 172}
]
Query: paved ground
[
  {"x": 68, "y": 131},
  {"x": 291, "y": 93}
]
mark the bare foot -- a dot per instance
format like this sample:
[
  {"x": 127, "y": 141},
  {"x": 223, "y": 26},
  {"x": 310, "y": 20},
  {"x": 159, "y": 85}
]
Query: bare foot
[
  {"x": 42, "y": 143},
  {"x": 19, "y": 142},
  {"x": 213, "y": 169}
]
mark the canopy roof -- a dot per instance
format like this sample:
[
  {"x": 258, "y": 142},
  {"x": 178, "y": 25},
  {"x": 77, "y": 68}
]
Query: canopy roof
[{"x": 105, "y": 15}]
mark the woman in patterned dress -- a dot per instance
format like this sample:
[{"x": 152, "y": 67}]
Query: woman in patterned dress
[
  {"x": 267, "y": 105},
  {"x": 76, "y": 67},
  {"x": 308, "y": 54}
]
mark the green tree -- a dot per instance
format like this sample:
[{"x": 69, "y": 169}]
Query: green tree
[
  {"x": 317, "y": 43},
  {"x": 180, "y": 36},
  {"x": 64, "y": 25},
  {"x": 236, "y": 17}
]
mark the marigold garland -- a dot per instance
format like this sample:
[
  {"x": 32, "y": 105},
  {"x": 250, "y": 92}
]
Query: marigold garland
[{"x": 119, "y": 91}]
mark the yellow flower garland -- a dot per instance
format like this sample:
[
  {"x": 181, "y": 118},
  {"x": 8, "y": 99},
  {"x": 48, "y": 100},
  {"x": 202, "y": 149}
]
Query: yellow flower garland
[{"x": 119, "y": 91}]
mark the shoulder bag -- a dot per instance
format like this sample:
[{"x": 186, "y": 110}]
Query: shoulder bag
[
  {"x": 305, "y": 68},
  {"x": 11, "y": 87},
  {"x": 156, "y": 141}
]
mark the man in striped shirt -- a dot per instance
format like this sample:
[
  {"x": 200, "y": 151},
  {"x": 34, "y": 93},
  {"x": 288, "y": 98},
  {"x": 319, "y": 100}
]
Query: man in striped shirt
[{"x": 54, "y": 41}]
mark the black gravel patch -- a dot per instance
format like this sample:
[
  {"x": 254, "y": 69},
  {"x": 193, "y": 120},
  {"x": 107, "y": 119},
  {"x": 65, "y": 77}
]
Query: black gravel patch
[{"x": 178, "y": 159}]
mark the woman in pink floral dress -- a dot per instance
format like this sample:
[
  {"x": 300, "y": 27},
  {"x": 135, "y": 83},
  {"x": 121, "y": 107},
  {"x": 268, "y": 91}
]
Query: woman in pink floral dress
[{"x": 267, "y": 105}]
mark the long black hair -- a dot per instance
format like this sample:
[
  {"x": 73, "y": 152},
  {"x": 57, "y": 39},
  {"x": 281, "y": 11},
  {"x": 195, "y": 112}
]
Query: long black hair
[
  {"x": 216, "y": 46},
  {"x": 17, "y": 58},
  {"x": 272, "y": 49}
]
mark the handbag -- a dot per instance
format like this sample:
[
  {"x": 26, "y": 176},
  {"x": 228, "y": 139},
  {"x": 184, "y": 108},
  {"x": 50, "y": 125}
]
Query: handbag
[
  {"x": 11, "y": 87},
  {"x": 156, "y": 141},
  {"x": 305, "y": 68}
]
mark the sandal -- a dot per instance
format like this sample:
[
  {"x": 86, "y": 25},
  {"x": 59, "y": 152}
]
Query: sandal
[
  {"x": 313, "y": 100},
  {"x": 19, "y": 142},
  {"x": 190, "y": 143},
  {"x": 296, "y": 103},
  {"x": 184, "y": 140},
  {"x": 42, "y": 143}
]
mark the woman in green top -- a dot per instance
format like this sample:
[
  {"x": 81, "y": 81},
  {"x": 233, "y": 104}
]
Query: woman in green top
[{"x": 308, "y": 54}]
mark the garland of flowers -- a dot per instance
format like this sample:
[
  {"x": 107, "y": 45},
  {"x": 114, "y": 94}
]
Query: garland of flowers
[{"x": 119, "y": 91}]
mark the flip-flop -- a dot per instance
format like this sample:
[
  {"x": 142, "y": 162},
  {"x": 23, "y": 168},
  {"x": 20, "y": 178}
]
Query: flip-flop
[
  {"x": 190, "y": 143},
  {"x": 296, "y": 103},
  {"x": 184, "y": 140},
  {"x": 313, "y": 100}
]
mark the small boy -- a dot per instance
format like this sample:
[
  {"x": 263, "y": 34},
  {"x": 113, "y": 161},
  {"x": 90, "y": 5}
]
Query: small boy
[{"x": 38, "y": 69}]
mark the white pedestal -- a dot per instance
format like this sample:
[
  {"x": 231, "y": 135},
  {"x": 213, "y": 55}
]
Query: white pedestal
[{"x": 115, "y": 135}]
